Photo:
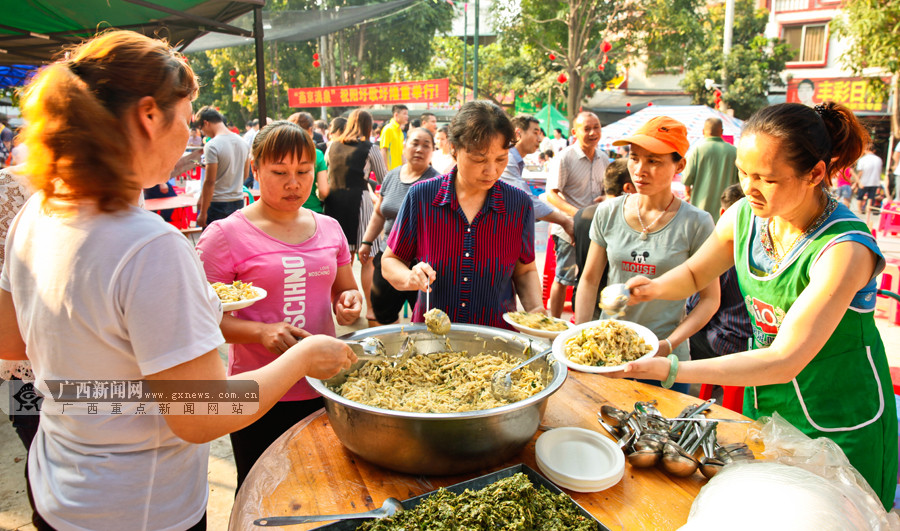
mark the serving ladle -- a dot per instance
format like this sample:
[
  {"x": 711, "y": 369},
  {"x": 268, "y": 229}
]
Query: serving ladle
[
  {"x": 647, "y": 449},
  {"x": 501, "y": 381},
  {"x": 644, "y": 458},
  {"x": 614, "y": 299},
  {"x": 437, "y": 321},
  {"x": 371, "y": 348},
  {"x": 710, "y": 465},
  {"x": 614, "y": 416},
  {"x": 388, "y": 508},
  {"x": 679, "y": 460},
  {"x": 730, "y": 453}
]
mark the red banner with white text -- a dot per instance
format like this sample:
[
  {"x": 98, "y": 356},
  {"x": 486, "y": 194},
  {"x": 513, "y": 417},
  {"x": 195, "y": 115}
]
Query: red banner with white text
[{"x": 427, "y": 91}]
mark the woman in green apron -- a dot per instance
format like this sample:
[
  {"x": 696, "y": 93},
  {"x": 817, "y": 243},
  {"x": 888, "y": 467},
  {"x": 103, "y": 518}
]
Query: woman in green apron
[{"x": 806, "y": 266}]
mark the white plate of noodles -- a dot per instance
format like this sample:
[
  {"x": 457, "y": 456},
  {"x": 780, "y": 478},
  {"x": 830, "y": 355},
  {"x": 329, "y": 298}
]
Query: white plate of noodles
[
  {"x": 238, "y": 294},
  {"x": 536, "y": 324},
  {"x": 604, "y": 346}
]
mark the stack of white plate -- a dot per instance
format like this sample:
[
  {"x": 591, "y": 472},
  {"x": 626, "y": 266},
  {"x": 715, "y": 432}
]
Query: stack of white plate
[{"x": 580, "y": 460}]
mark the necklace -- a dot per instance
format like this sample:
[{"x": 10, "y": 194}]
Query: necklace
[
  {"x": 768, "y": 241},
  {"x": 645, "y": 229}
]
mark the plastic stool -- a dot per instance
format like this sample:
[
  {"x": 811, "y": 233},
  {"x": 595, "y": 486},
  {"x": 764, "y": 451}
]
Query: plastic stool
[
  {"x": 732, "y": 397},
  {"x": 895, "y": 377},
  {"x": 889, "y": 222}
]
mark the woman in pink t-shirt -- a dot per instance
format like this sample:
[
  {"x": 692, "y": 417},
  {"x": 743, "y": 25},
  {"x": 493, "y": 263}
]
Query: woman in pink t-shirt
[
  {"x": 299, "y": 257},
  {"x": 843, "y": 188}
]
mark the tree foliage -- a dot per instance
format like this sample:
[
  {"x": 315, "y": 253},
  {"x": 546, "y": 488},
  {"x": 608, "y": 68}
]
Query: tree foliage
[
  {"x": 872, "y": 32},
  {"x": 366, "y": 53},
  {"x": 573, "y": 31},
  {"x": 503, "y": 70},
  {"x": 369, "y": 53},
  {"x": 688, "y": 33}
]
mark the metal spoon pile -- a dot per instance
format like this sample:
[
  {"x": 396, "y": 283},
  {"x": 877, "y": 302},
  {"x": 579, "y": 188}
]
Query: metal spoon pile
[{"x": 650, "y": 439}]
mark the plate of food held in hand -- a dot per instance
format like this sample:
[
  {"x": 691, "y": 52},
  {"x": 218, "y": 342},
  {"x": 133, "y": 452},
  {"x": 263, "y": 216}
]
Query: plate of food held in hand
[
  {"x": 238, "y": 294},
  {"x": 536, "y": 324},
  {"x": 604, "y": 346}
]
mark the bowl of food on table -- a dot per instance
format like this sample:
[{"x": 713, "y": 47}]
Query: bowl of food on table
[
  {"x": 238, "y": 294},
  {"x": 433, "y": 410},
  {"x": 604, "y": 346},
  {"x": 536, "y": 324}
]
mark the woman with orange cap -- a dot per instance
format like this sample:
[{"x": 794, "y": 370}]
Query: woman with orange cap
[{"x": 649, "y": 233}]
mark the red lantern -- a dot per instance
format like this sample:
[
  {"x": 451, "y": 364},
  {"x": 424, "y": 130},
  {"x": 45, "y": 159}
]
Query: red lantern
[
  {"x": 605, "y": 59},
  {"x": 233, "y": 80},
  {"x": 234, "y": 86},
  {"x": 649, "y": 104},
  {"x": 627, "y": 111},
  {"x": 562, "y": 78},
  {"x": 316, "y": 56},
  {"x": 317, "y": 64},
  {"x": 232, "y": 72},
  {"x": 628, "y": 104},
  {"x": 601, "y": 67},
  {"x": 717, "y": 94},
  {"x": 593, "y": 86},
  {"x": 605, "y": 47}
]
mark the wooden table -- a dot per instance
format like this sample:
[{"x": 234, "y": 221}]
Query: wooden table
[{"x": 308, "y": 471}]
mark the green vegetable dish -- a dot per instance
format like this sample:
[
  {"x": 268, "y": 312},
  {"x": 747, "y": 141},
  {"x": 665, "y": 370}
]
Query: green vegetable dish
[{"x": 511, "y": 503}]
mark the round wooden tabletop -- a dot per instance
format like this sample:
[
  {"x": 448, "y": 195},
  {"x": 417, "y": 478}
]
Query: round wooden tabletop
[{"x": 308, "y": 471}]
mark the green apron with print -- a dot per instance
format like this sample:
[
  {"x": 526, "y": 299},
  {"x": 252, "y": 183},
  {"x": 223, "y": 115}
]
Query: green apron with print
[{"x": 845, "y": 392}]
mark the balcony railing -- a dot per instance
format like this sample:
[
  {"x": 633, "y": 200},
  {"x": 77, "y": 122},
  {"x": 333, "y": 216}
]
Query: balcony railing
[{"x": 791, "y": 5}]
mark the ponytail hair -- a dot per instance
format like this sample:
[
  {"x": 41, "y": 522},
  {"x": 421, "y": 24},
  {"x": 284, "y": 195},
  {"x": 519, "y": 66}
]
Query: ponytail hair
[
  {"x": 830, "y": 132},
  {"x": 73, "y": 109}
]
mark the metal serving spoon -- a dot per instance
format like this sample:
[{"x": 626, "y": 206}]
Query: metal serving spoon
[
  {"x": 501, "y": 381},
  {"x": 369, "y": 348},
  {"x": 437, "y": 321},
  {"x": 388, "y": 508},
  {"x": 614, "y": 299}
]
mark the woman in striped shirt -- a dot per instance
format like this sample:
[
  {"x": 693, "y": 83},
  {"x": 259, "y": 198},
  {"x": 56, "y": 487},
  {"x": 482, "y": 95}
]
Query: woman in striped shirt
[{"x": 472, "y": 236}]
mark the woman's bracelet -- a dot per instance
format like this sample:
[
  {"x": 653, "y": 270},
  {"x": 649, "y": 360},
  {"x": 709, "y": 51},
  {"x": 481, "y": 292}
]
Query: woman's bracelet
[
  {"x": 673, "y": 371},
  {"x": 364, "y": 242},
  {"x": 670, "y": 345}
]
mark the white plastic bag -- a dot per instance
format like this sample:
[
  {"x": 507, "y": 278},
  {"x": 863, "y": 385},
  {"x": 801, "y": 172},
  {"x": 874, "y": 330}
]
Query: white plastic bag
[{"x": 803, "y": 484}]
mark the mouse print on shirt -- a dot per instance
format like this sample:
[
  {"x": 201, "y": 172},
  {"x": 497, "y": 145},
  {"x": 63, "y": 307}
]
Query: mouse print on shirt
[{"x": 639, "y": 264}]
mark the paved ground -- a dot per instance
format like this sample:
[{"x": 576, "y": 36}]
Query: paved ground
[{"x": 15, "y": 512}]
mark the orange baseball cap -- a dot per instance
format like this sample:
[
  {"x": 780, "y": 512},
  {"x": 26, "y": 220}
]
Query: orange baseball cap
[{"x": 660, "y": 135}]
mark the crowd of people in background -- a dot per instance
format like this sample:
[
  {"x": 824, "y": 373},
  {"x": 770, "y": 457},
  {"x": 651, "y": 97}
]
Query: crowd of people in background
[{"x": 426, "y": 208}]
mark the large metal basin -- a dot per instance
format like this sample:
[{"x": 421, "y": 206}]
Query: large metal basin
[{"x": 440, "y": 443}]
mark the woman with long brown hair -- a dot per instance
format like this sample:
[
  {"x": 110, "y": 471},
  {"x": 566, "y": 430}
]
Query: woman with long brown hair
[
  {"x": 351, "y": 158},
  {"x": 95, "y": 288}
]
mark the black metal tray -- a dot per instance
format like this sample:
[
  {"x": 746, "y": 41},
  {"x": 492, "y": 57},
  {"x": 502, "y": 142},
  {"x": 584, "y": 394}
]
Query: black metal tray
[{"x": 473, "y": 484}]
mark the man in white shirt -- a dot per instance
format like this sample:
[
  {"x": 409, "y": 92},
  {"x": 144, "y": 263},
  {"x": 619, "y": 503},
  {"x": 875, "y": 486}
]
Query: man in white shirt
[
  {"x": 575, "y": 181},
  {"x": 527, "y": 134},
  {"x": 227, "y": 167},
  {"x": 868, "y": 175},
  {"x": 559, "y": 142}
]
